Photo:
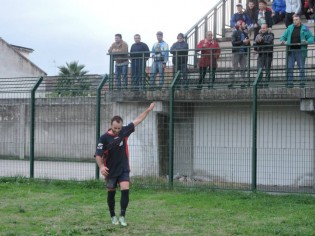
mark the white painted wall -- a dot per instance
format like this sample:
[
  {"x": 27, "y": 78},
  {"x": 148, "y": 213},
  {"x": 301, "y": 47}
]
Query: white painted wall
[
  {"x": 222, "y": 144},
  {"x": 14, "y": 64}
]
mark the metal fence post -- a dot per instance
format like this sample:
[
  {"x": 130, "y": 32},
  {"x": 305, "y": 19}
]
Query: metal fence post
[
  {"x": 111, "y": 72},
  {"x": 98, "y": 118},
  {"x": 223, "y": 18},
  {"x": 32, "y": 125},
  {"x": 171, "y": 132},
  {"x": 254, "y": 138}
]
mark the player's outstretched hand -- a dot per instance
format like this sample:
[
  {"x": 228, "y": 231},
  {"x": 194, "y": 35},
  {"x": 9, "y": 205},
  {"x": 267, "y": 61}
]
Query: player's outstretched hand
[{"x": 151, "y": 106}]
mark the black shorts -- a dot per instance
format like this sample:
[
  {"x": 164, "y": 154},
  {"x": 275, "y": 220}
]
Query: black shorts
[{"x": 112, "y": 183}]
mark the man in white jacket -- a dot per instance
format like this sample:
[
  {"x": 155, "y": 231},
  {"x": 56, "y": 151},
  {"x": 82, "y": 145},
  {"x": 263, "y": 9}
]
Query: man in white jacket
[{"x": 292, "y": 7}]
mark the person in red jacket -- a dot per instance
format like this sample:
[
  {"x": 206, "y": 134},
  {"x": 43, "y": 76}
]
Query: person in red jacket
[{"x": 210, "y": 53}]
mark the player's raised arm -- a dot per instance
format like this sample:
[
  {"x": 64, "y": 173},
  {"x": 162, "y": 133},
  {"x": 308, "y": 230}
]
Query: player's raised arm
[{"x": 143, "y": 115}]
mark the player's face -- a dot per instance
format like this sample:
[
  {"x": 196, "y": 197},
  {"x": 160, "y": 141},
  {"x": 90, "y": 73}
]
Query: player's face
[{"x": 116, "y": 127}]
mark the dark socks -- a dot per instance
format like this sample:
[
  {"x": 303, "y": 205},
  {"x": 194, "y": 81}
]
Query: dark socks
[
  {"x": 111, "y": 202},
  {"x": 124, "y": 201}
]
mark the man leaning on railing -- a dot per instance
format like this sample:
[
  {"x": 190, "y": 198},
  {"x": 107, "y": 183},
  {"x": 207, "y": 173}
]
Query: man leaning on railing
[
  {"x": 120, "y": 48},
  {"x": 296, "y": 36}
]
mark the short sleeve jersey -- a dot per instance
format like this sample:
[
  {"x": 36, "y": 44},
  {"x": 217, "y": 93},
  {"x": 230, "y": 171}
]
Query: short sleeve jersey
[{"x": 114, "y": 150}]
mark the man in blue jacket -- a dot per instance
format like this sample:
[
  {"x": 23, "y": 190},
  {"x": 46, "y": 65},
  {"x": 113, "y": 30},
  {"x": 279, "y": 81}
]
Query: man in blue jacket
[
  {"x": 139, "y": 54},
  {"x": 278, "y": 8},
  {"x": 180, "y": 57},
  {"x": 240, "y": 15},
  {"x": 296, "y": 37}
]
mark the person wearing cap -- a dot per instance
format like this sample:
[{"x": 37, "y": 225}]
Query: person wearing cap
[
  {"x": 160, "y": 52},
  {"x": 139, "y": 54},
  {"x": 119, "y": 52},
  {"x": 210, "y": 53},
  {"x": 296, "y": 37},
  {"x": 239, "y": 15},
  {"x": 179, "y": 50}
]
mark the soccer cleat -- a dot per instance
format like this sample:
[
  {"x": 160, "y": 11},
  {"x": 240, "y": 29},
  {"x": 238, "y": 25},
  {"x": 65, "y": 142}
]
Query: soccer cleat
[
  {"x": 122, "y": 221},
  {"x": 114, "y": 220}
]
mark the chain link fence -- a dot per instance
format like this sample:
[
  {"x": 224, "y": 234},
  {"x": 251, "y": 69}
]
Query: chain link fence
[{"x": 251, "y": 137}]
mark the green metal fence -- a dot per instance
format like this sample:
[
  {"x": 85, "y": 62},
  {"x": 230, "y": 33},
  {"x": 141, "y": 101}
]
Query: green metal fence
[{"x": 250, "y": 137}]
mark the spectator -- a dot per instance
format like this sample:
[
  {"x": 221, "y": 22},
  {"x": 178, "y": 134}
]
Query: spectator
[
  {"x": 160, "y": 58},
  {"x": 180, "y": 57},
  {"x": 311, "y": 8},
  {"x": 305, "y": 10},
  {"x": 240, "y": 41},
  {"x": 239, "y": 15},
  {"x": 210, "y": 53},
  {"x": 251, "y": 12},
  {"x": 264, "y": 42},
  {"x": 296, "y": 37},
  {"x": 120, "y": 48},
  {"x": 139, "y": 53},
  {"x": 292, "y": 7},
  {"x": 263, "y": 16},
  {"x": 278, "y": 8}
]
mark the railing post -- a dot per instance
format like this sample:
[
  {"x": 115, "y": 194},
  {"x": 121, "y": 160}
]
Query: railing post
[
  {"x": 98, "y": 118},
  {"x": 286, "y": 63},
  {"x": 254, "y": 138},
  {"x": 171, "y": 132},
  {"x": 232, "y": 7},
  {"x": 215, "y": 29},
  {"x": 223, "y": 18},
  {"x": 196, "y": 42},
  {"x": 248, "y": 64},
  {"x": 111, "y": 72},
  {"x": 32, "y": 125}
]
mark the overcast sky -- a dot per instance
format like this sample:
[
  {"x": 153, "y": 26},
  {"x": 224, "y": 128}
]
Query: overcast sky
[{"x": 62, "y": 31}]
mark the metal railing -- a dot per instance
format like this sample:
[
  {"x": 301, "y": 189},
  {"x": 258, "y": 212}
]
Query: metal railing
[{"x": 225, "y": 72}]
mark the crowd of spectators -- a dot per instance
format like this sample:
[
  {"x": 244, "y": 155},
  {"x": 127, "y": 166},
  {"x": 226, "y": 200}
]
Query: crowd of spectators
[{"x": 257, "y": 18}]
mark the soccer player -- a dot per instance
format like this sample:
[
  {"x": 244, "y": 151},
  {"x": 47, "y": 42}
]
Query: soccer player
[{"x": 113, "y": 160}]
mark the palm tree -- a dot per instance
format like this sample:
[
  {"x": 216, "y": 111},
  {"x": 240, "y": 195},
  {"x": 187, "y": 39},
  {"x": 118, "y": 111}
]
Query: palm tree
[{"x": 72, "y": 80}]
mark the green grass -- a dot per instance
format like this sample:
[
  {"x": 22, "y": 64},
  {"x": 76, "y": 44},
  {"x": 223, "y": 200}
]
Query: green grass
[{"x": 32, "y": 207}]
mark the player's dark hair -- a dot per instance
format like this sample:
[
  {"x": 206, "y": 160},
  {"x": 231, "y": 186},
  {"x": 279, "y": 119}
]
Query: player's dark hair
[
  {"x": 118, "y": 35},
  {"x": 118, "y": 119}
]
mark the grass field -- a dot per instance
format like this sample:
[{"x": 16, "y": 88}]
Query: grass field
[{"x": 29, "y": 207}]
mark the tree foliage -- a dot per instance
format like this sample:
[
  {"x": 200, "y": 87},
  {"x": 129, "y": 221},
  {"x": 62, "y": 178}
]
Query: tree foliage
[{"x": 72, "y": 80}]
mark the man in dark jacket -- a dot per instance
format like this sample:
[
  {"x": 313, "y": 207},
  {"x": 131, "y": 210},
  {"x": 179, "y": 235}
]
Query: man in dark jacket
[
  {"x": 240, "y": 41},
  {"x": 264, "y": 42},
  {"x": 179, "y": 50},
  {"x": 139, "y": 53}
]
